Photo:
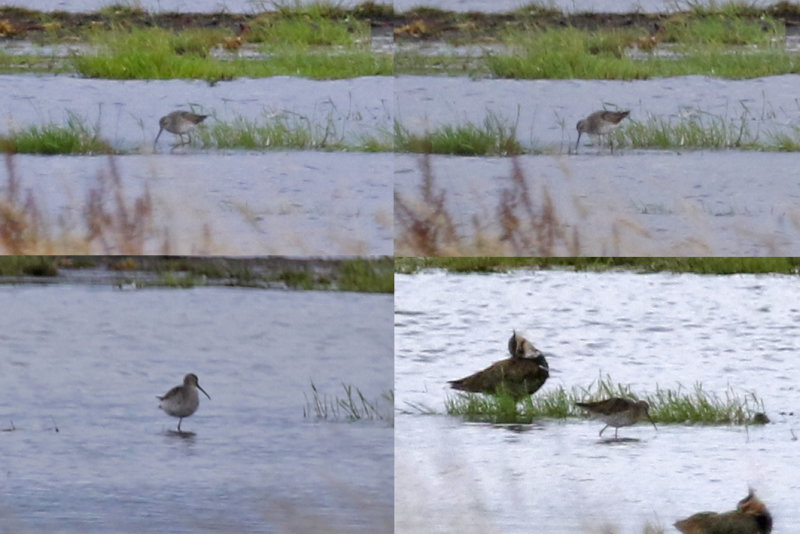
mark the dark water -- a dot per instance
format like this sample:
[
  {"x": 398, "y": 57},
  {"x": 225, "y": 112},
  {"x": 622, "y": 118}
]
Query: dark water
[
  {"x": 554, "y": 476},
  {"x": 90, "y": 361}
]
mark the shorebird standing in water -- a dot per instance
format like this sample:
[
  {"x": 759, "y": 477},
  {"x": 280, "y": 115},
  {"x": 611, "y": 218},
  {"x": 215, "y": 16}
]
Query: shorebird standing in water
[
  {"x": 522, "y": 374},
  {"x": 617, "y": 412},
  {"x": 600, "y": 123},
  {"x": 179, "y": 123},
  {"x": 750, "y": 517},
  {"x": 182, "y": 401}
]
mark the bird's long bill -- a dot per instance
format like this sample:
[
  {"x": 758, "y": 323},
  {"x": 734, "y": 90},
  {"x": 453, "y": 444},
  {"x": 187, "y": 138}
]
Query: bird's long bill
[
  {"x": 578, "y": 142},
  {"x": 653, "y": 422},
  {"x": 204, "y": 391},
  {"x": 154, "y": 145}
]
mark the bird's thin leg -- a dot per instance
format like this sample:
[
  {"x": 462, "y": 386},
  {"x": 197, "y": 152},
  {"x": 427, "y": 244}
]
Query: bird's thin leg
[
  {"x": 601, "y": 432},
  {"x": 179, "y": 423},
  {"x": 615, "y": 432}
]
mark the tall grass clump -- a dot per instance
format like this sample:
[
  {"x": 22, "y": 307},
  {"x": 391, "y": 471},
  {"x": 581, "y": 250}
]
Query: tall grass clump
[
  {"x": 372, "y": 276},
  {"x": 353, "y": 406},
  {"x": 307, "y": 29},
  {"x": 699, "y": 130},
  {"x": 723, "y": 30},
  {"x": 694, "y": 406},
  {"x": 494, "y": 137},
  {"x": 74, "y": 137}
]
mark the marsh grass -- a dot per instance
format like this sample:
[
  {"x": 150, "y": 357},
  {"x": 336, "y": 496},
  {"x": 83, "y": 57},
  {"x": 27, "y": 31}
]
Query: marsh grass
[
  {"x": 28, "y": 266},
  {"x": 353, "y": 406},
  {"x": 494, "y": 137},
  {"x": 76, "y": 136},
  {"x": 704, "y": 265},
  {"x": 602, "y": 54},
  {"x": 307, "y": 28},
  {"x": 697, "y": 131},
  {"x": 157, "y": 53},
  {"x": 288, "y": 130},
  {"x": 723, "y": 30},
  {"x": 528, "y": 222},
  {"x": 692, "y": 406}
]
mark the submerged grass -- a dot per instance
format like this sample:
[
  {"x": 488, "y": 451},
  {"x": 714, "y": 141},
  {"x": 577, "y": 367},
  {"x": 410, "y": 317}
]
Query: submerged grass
[
  {"x": 354, "y": 406},
  {"x": 666, "y": 405},
  {"x": 74, "y": 137}
]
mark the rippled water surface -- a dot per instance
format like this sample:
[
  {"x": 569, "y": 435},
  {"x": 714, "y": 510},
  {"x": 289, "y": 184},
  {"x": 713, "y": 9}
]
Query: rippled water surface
[
  {"x": 90, "y": 361},
  {"x": 649, "y": 331},
  {"x": 693, "y": 203},
  {"x": 292, "y": 203},
  {"x": 182, "y": 6}
]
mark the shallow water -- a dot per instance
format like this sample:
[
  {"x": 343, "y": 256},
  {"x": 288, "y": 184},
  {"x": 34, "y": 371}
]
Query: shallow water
[
  {"x": 290, "y": 203},
  {"x": 91, "y": 360},
  {"x": 555, "y": 476},
  {"x": 127, "y": 112},
  {"x": 546, "y": 111},
  {"x": 155, "y": 6},
  {"x": 664, "y": 203}
]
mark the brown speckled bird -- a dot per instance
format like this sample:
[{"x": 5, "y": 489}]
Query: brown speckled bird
[
  {"x": 750, "y": 517},
  {"x": 522, "y": 374},
  {"x": 617, "y": 412}
]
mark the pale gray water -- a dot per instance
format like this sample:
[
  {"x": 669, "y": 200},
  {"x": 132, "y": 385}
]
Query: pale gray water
[
  {"x": 127, "y": 112},
  {"x": 91, "y": 360},
  {"x": 658, "y": 203},
  {"x": 546, "y": 111},
  {"x": 291, "y": 203},
  {"x": 155, "y": 6},
  {"x": 643, "y": 330}
]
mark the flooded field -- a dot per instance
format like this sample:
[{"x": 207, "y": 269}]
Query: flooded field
[
  {"x": 649, "y": 331},
  {"x": 291, "y": 203},
  {"x": 91, "y": 451},
  {"x": 181, "y": 6},
  {"x": 545, "y": 112},
  {"x": 127, "y": 112}
]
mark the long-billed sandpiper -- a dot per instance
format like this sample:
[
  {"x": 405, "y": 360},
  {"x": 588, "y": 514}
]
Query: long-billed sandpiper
[
  {"x": 750, "y": 517},
  {"x": 179, "y": 123},
  {"x": 522, "y": 374},
  {"x": 182, "y": 401},
  {"x": 617, "y": 412},
  {"x": 600, "y": 123}
]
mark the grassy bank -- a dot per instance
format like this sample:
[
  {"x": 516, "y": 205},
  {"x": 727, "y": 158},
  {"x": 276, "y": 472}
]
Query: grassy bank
[
  {"x": 366, "y": 275},
  {"x": 74, "y": 136},
  {"x": 709, "y": 265},
  {"x": 676, "y": 406}
]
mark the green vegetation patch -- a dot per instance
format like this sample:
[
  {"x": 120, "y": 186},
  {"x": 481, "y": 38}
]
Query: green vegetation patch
[
  {"x": 603, "y": 54},
  {"x": 155, "y": 53},
  {"x": 494, "y": 137},
  {"x": 28, "y": 266},
  {"x": 287, "y": 131},
  {"x": 723, "y": 30},
  {"x": 306, "y": 29},
  {"x": 74, "y": 137},
  {"x": 666, "y": 405},
  {"x": 706, "y": 265}
]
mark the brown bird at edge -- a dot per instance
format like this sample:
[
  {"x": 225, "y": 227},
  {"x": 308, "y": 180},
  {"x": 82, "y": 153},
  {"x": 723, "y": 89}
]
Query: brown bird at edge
[
  {"x": 522, "y": 374},
  {"x": 179, "y": 123},
  {"x": 617, "y": 412},
  {"x": 750, "y": 517},
  {"x": 600, "y": 123}
]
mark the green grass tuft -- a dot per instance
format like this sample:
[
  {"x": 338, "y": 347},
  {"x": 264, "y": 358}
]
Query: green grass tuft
[
  {"x": 495, "y": 137},
  {"x": 75, "y": 137},
  {"x": 666, "y": 405},
  {"x": 354, "y": 406}
]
